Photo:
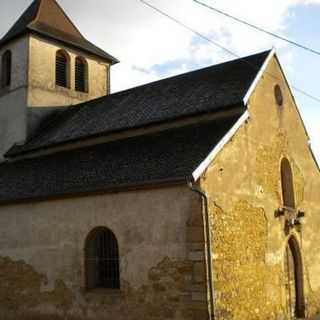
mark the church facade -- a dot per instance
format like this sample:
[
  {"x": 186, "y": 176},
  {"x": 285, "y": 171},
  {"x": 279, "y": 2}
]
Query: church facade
[{"x": 194, "y": 197}]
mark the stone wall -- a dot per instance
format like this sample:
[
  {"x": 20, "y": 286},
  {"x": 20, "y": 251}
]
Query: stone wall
[
  {"x": 160, "y": 237},
  {"x": 244, "y": 188}
]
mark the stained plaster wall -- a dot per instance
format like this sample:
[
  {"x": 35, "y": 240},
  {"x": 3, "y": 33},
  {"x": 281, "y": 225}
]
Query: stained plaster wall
[
  {"x": 13, "y": 98},
  {"x": 244, "y": 189},
  {"x": 42, "y": 88},
  {"x": 160, "y": 237}
]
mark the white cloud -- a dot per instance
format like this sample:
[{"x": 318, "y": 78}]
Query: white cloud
[{"x": 141, "y": 37}]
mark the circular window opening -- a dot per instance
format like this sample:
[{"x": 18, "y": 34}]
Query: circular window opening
[{"x": 278, "y": 95}]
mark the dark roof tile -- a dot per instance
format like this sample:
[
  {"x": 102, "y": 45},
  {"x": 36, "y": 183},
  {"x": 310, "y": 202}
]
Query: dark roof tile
[
  {"x": 170, "y": 155},
  {"x": 204, "y": 91}
]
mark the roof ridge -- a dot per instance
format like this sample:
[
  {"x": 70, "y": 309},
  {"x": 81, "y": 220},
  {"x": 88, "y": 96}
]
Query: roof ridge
[
  {"x": 57, "y": 5},
  {"x": 190, "y": 72},
  {"x": 48, "y": 19},
  {"x": 38, "y": 11},
  {"x": 27, "y": 16},
  {"x": 110, "y": 96}
]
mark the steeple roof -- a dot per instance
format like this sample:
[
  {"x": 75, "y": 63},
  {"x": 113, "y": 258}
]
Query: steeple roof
[{"x": 46, "y": 18}]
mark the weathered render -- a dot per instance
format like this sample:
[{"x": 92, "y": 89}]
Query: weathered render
[
  {"x": 244, "y": 188},
  {"x": 160, "y": 237}
]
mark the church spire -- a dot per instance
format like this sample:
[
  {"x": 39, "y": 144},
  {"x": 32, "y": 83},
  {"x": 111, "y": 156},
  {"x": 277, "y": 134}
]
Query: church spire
[{"x": 47, "y": 19}]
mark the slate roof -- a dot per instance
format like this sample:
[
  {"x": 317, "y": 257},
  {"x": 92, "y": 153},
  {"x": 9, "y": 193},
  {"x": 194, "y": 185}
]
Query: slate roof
[
  {"x": 169, "y": 155},
  {"x": 46, "y": 18},
  {"x": 208, "y": 90},
  {"x": 38, "y": 117}
]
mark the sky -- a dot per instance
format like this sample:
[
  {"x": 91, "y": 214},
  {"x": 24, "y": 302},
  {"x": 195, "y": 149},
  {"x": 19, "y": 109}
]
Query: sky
[{"x": 151, "y": 47}]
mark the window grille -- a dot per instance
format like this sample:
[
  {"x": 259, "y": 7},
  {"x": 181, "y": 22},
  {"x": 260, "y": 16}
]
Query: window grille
[
  {"x": 287, "y": 184},
  {"x": 80, "y": 75},
  {"x": 6, "y": 65},
  {"x": 61, "y": 69},
  {"x": 102, "y": 260}
]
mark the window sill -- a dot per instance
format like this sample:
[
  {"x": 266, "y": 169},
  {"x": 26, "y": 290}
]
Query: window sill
[
  {"x": 82, "y": 92},
  {"x": 105, "y": 296},
  {"x": 61, "y": 88},
  {"x": 103, "y": 290}
]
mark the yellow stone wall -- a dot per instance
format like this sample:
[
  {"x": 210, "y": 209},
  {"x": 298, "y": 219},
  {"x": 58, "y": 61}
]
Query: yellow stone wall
[
  {"x": 42, "y": 89},
  {"x": 244, "y": 189}
]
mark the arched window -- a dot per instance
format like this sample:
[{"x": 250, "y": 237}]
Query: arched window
[
  {"x": 6, "y": 63},
  {"x": 81, "y": 75},
  {"x": 294, "y": 280},
  {"x": 62, "y": 69},
  {"x": 102, "y": 260},
  {"x": 287, "y": 184}
]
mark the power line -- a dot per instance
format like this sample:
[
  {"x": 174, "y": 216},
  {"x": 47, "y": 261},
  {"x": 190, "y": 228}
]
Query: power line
[
  {"x": 301, "y": 46},
  {"x": 197, "y": 33},
  {"x": 200, "y": 35}
]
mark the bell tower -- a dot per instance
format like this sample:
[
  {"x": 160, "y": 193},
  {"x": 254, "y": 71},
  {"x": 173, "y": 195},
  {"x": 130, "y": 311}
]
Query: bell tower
[{"x": 46, "y": 63}]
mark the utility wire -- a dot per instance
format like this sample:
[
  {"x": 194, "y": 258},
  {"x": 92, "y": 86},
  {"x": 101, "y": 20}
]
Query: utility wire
[
  {"x": 301, "y": 46},
  {"x": 215, "y": 44},
  {"x": 200, "y": 35}
]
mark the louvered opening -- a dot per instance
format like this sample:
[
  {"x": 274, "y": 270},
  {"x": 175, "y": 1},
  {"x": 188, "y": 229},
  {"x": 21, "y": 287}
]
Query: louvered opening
[
  {"x": 6, "y": 63},
  {"x": 80, "y": 75},
  {"x": 61, "y": 70}
]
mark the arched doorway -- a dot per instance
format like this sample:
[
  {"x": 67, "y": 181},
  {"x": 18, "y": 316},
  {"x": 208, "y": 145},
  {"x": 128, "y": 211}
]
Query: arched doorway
[{"x": 294, "y": 280}]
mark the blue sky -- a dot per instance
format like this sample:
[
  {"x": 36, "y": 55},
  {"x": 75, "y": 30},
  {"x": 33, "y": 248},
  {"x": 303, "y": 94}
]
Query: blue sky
[
  {"x": 303, "y": 26},
  {"x": 151, "y": 47}
]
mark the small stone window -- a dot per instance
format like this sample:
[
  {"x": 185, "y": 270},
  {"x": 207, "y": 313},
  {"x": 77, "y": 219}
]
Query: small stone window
[
  {"x": 6, "y": 65},
  {"x": 62, "y": 69},
  {"x": 102, "y": 260},
  {"x": 278, "y": 95},
  {"x": 81, "y": 75},
  {"x": 108, "y": 80},
  {"x": 287, "y": 184}
]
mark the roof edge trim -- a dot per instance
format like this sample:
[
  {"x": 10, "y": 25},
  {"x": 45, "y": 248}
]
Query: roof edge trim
[
  {"x": 212, "y": 155},
  {"x": 112, "y": 60},
  {"x": 258, "y": 77},
  {"x": 126, "y": 187}
]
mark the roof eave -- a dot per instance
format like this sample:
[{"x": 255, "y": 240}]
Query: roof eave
[
  {"x": 4, "y": 42},
  {"x": 152, "y": 184},
  {"x": 112, "y": 60},
  {"x": 12, "y": 154}
]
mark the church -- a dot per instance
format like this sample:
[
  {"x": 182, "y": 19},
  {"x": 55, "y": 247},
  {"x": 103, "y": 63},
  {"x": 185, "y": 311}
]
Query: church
[{"x": 195, "y": 197}]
